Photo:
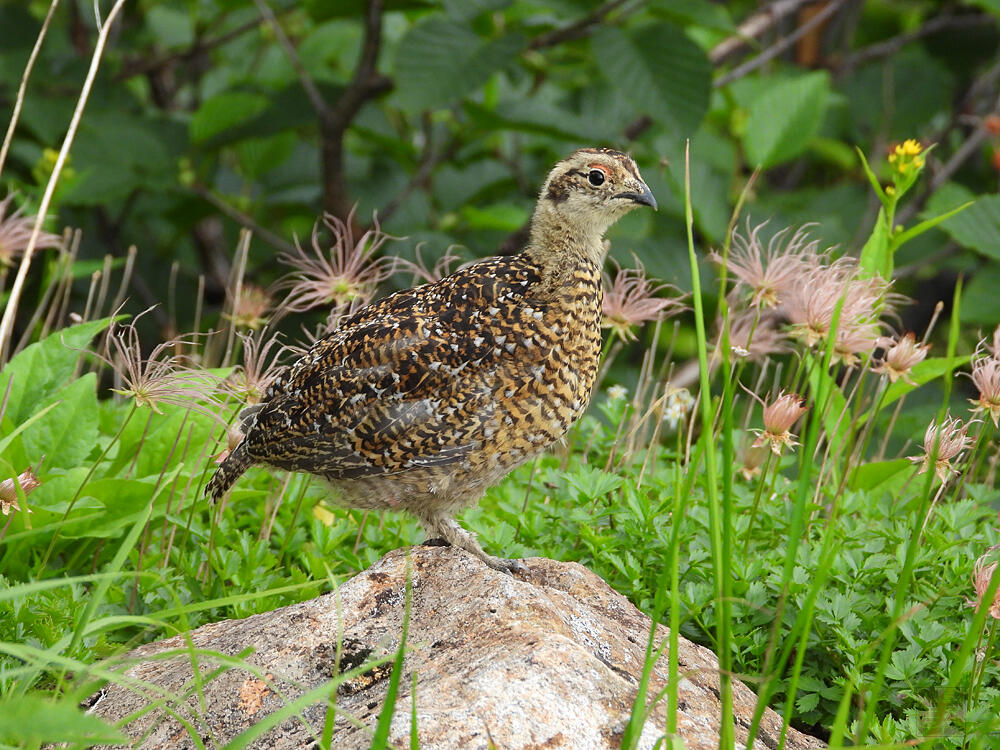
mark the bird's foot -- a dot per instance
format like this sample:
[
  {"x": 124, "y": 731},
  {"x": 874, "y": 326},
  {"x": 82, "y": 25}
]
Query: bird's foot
[
  {"x": 510, "y": 567},
  {"x": 443, "y": 531}
]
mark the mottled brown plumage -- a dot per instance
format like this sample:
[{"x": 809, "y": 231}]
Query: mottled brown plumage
[{"x": 424, "y": 399}]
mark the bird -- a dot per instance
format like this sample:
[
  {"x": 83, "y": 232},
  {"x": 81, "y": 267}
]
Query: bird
[{"x": 427, "y": 397}]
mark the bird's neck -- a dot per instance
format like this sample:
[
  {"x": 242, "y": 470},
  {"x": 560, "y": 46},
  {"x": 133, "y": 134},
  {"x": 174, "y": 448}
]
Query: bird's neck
[
  {"x": 557, "y": 237},
  {"x": 568, "y": 256}
]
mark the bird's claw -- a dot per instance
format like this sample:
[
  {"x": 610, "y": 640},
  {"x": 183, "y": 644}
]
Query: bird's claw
[{"x": 510, "y": 567}]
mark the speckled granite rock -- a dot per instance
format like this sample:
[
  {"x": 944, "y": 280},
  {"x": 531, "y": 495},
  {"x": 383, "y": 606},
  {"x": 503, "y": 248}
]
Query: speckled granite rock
[{"x": 548, "y": 660}]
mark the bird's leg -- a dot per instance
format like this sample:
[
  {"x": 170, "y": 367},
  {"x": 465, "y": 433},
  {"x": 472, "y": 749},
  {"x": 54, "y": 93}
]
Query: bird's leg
[{"x": 442, "y": 527}]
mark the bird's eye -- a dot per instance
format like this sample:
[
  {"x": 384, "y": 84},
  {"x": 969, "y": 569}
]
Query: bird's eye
[{"x": 596, "y": 177}]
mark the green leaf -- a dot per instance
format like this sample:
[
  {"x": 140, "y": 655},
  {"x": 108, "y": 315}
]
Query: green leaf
[
  {"x": 918, "y": 229},
  {"x": 171, "y": 27},
  {"x": 782, "y": 120},
  {"x": 993, "y": 6},
  {"x": 534, "y": 116},
  {"x": 463, "y": 10},
  {"x": 978, "y": 226},
  {"x": 876, "y": 259},
  {"x": 31, "y": 720},
  {"x": 660, "y": 70},
  {"x": 166, "y": 437},
  {"x": 503, "y": 216},
  {"x": 876, "y": 185},
  {"x": 439, "y": 61},
  {"x": 44, "y": 367},
  {"x": 260, "y": 155},
  {"x": 837, "y": 417},
  {"x": 870, "y": 476},
  {"x": 125, "y": 500},
  {"x": 224, "y": 111},
  {"x": 321, "y": 10},
  {"x": 67, "y": 434},
  {"x": 702, "y": 13},
  {"x": 142, "y": 159},
  {"x": 982, "y": 301},
  {"x": 6, "y": 441},
  {"x": 923, "y": 372}
]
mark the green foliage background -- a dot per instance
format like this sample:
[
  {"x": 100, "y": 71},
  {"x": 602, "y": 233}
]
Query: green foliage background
[{"x": 198, "y": 108}]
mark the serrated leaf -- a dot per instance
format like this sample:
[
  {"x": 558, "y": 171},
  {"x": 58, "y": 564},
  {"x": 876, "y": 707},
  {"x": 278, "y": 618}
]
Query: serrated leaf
[
  {"x": 224, "y": 111},
  {"x": 440, "y": 60},
  {"x": 782, "y": 120},
  {"x": 807, "y": 702},
  {"x": 660, "y": 70},
  {"x": 978, "y": 226},
  {"x": 533, "y": 115}
]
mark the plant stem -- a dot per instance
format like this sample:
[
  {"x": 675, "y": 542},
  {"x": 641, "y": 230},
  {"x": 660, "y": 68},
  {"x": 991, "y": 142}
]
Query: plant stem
[{"x": 722, "y": 632}]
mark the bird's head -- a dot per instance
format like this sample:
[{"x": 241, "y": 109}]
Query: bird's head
[{"x": 592, "y": 188}]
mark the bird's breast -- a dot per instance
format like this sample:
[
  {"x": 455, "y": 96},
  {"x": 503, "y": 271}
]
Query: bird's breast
[{"x": 546, "y": 383}]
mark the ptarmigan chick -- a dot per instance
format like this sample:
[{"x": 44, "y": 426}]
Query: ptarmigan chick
[{"x": 424, "y": 399}]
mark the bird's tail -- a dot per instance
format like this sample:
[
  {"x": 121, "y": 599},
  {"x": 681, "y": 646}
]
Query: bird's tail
[{"x": 229, "y": 471}]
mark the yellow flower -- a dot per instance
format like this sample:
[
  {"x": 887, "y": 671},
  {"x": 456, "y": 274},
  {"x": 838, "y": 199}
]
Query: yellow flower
[{"x": 905, "y": 161}]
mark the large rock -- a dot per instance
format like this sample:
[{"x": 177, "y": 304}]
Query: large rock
[{"x": 548, "y": 660}]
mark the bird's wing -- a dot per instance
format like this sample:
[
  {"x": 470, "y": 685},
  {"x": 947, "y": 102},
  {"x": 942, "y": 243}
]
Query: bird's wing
[{"x": 411, "y": 381}]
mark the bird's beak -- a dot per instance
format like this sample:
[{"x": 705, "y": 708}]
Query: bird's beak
[{"x": 644, "y": 197}]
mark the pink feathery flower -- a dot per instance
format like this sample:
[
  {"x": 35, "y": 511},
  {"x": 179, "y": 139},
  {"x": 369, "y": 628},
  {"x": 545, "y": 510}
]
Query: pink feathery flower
[
  {"x": 995, "y": 349},
  {"x": 770, "y": 272},
  {"x": 751, "y": 459},
  {"x": 755, "y": 335},
  {"x": 15, "y": 231},
  {"x": 252, "y": 307},
  {"x": 986, "y": 378},
  {"x": 901, "y": 355},
  {"x": 630, "y": 299},
  {"x": 982, "y": 572},
  {"x": 160, "y": 378},
  {"x": 8, "y": 490},
  {"x": 812, "y": 303},
  {"x": 348, "y": 271},
  {"x": 779, "y": 417},
  {"x": 428, "y": 274},
  {"x": 852, "y": 340},
  {"x": 951, "y": 440},
  {"x": 259, "y": 370}
]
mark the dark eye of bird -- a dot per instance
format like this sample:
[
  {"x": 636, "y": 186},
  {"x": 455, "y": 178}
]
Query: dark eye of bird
[{"x": 596, "y": 177}]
